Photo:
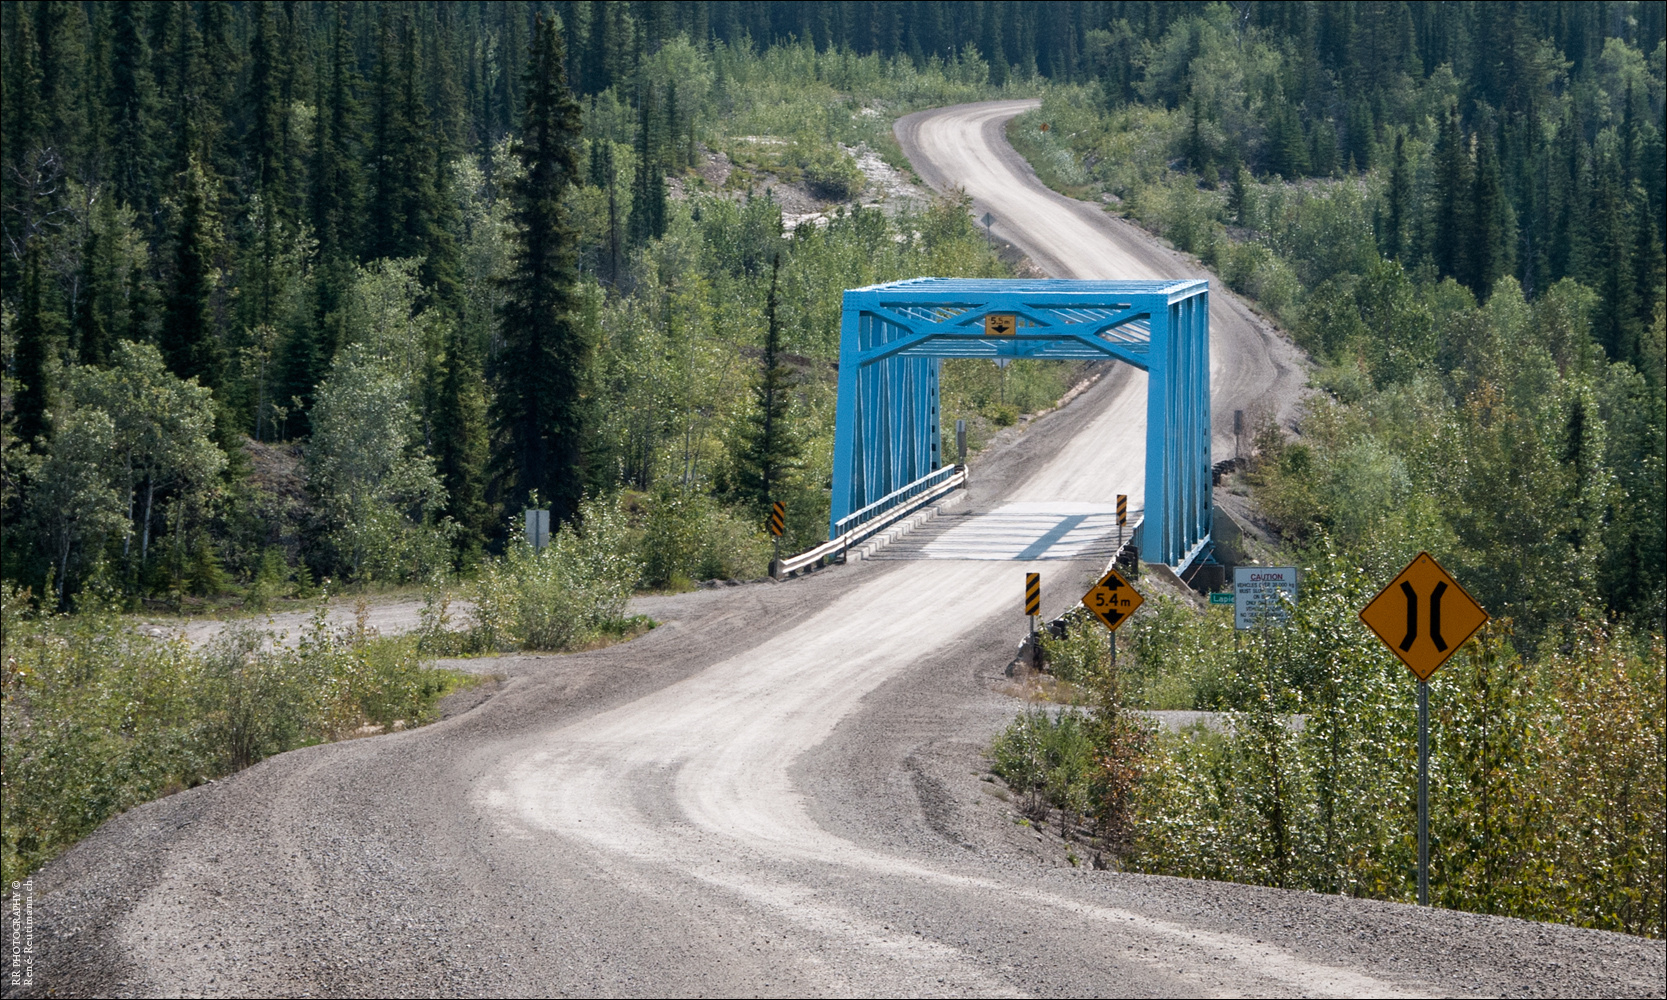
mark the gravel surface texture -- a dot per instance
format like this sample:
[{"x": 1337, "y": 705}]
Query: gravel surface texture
[{"x": 778, "y": 791}]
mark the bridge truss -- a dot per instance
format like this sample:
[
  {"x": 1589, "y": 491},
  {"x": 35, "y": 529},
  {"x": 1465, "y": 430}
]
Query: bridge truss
[{"x": 887, "y": 445}]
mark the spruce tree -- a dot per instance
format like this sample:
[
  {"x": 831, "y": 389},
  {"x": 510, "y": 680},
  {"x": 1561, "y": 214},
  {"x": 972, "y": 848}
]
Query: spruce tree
[
  {"x": 96, "y": 312},
  {"x": 1400, "y": 200},
  {"x": 769, "y": 449},
  {"x": 648, "y": 189},
  {"x": 537, "y": 413},
  {"x": 1454, "y": 197},
  {"x": 1609, "y": 270},
  {"x": 268, "y": 131},
  {"x": 1493, "y": 224},
  {"x": 189, "y": 343},
  {"x": 460, "y": 442},
  {"x": 61, "y": 28},
  {"x": 39, "y": 334}
]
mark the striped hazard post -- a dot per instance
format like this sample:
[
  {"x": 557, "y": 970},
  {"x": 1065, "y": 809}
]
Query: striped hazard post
[
  {"x": 777, "y": 524},
  {"x": 1122, "y": 517},
  {"x": 1033, "y": 607}
]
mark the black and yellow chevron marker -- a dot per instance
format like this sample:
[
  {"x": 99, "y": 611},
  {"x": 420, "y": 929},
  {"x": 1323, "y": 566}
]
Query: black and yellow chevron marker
[
  {"x": 1033, "y": 593},
  {"x": 778, "y": 518},
  {"x": 1122, "y": 509}
]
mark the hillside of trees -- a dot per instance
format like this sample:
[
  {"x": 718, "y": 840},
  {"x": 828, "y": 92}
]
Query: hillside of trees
[
  {"x": 295, "y": 290},
  {"x": 308, "y": 290},
  {"x": 1456, "y": 209}
]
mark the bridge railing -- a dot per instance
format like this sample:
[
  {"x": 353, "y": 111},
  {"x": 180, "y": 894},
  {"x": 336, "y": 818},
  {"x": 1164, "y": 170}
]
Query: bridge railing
[
  {"x": 858, "y": 526},
  {"x": 889, "y": 502}
]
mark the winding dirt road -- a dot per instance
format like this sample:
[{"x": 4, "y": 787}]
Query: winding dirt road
[{"x": 778, "y": 791}]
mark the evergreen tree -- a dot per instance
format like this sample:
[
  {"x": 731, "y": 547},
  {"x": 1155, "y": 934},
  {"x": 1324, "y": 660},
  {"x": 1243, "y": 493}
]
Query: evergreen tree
[
  {"x": 648, "y": 189},
  {"x": 132, "y": 97},
  {"x": 96, "y": 313},
  {"x": 769, "y": 449},
  {"x": 388, "y": 154},
  {"x": 1454, "y": 198},
  {"x": 268, "y": 118},
  {"x": 461, "y": 442},
  {"x": 61, "y": 28},
  {"x": 1400, "y": 200},
  {"x": 1610, "y": 270},
  {"x": 189, "y": 342},
  {"x": 336, "y": 206},
  {"x": 39, "y": 339},
  {"x": 1493, "y": 224},
  {"x": 540, "y": 368}
]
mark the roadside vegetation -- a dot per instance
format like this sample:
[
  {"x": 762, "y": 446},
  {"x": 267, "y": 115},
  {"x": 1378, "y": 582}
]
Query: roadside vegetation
[
  {"x": 1458, "y": 212},
  {"x": 98, "y": 717}
]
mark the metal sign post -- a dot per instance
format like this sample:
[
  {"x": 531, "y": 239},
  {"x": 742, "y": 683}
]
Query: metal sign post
[
  {"x": 1423, "y": 793},
  {"x": 960, "y": 442},
  {"x": 1433, "y": 616}
]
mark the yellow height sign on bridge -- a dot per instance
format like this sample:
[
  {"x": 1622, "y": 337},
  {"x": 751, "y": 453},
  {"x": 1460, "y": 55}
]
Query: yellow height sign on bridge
[
  {"x": 1423, "y": 616},
  {"x": 1000, "y": 325},
  {"x": 1112, "y": 600}
]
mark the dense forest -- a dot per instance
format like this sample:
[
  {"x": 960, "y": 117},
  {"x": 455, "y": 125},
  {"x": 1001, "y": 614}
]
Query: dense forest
[{"x": 303, "y": 290}]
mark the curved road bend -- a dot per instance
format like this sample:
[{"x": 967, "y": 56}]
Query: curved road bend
[{"x": 776, "y": 792}]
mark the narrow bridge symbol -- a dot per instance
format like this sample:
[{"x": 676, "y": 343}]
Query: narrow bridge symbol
[{"x": 893, "y": 338}]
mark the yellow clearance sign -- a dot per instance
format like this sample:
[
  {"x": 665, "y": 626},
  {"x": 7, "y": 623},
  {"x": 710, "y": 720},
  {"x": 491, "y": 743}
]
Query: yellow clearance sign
[
  {"x": 1000, "y": 325},
  {"x": 1424, "y": 616},
  {"x": 1112, "y": 600}
]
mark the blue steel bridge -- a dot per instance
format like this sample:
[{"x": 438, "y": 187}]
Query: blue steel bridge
[{"x": 888, "y": 456}]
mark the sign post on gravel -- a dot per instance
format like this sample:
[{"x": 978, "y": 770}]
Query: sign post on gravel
[
  {"x": 1111, "y": 602},
  {"x": 1423, "y": 616},
  {"x": 1033, "y": 607}
]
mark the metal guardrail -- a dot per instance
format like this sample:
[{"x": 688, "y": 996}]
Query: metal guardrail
[
  {"x": 863, "y": 524},
  {"x": 880, "y": 507}
]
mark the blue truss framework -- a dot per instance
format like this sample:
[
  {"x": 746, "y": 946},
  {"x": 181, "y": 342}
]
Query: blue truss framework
[{"x": 893, "y": 337}]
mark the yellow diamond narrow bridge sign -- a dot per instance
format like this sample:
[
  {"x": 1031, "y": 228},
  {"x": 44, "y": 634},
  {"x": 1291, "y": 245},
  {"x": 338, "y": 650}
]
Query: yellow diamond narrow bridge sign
[
  {"x": 1424, "y": 616},
  {"x": 1112, "y": 600}
]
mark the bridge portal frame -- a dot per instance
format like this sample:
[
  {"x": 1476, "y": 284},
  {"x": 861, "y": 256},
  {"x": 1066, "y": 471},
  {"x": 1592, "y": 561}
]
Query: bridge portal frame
[{"x": 894, "y": 336}]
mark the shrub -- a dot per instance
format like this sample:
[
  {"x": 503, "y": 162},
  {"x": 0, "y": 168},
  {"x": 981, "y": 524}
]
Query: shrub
[
  {"x": 98, "y": 718},
  {"x": 563, "y": 595}
]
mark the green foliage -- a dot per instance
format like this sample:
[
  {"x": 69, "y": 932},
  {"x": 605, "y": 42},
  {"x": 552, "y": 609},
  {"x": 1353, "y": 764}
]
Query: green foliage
[
  {"x": 687, "y": 536},
  {"x": 538, "y": 418},
  {"x": 98, "y": 718},
  {"x": 1547, "y": 775},
  {"x": 562, "y": 596},
  {"x": 1050, "y": 761},
  {"x": 376, "y": 490}
]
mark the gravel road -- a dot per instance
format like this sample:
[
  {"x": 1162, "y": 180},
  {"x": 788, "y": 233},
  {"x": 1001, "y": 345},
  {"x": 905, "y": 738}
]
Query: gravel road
[{"x": 777, "y": 791}]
